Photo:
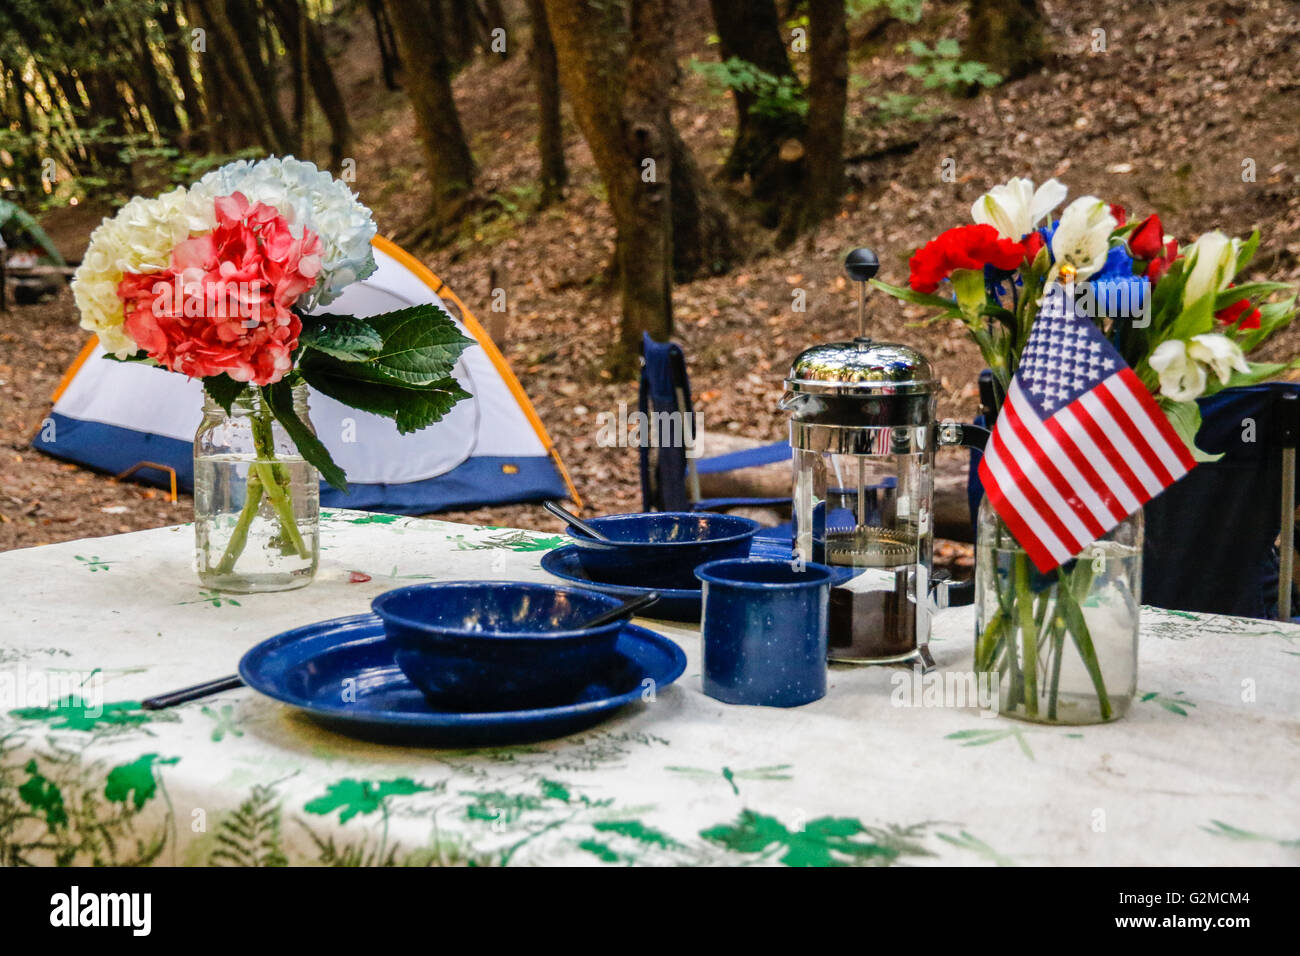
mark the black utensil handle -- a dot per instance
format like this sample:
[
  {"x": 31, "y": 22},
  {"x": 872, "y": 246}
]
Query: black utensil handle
[
  {"x": 569, "y": 518},
  {"x": 187, "y": 694},
  {"x": 627, "y": 610}
]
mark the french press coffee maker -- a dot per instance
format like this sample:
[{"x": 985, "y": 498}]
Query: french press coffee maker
[{"x": 864, "y": 436}]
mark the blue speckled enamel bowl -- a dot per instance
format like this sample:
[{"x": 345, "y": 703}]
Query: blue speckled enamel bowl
[
  {"x": 497, "y": 645},
  {"x": 661, "y": 548}
]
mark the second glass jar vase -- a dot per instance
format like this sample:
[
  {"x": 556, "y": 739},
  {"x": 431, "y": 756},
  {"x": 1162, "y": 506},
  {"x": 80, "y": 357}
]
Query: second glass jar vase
[
  {"x": 256, "y": 499},
  {"x": 1061, "y": 647}
]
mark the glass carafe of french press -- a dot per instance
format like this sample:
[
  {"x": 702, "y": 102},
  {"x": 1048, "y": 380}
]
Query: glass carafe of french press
[{"x": 864, "y": 436}]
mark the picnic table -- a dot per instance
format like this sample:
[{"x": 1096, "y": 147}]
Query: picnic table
[{"x": 1205, "y": 769}]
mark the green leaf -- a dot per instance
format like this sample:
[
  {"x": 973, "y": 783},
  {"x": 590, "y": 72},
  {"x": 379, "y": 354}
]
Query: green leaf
[
  {"x": 223, "y": 389},
  {"x": 1273, "y": 316},
  {"x": 135, "y": 781},
  {"x": 279, "y": 398},
  {"x": 421, "y": 345},
  {"x": 412, "y": 407},
  {"x": 1185, "y": 417},
  {"x": 1247, "y": 252},
  {"x": 920, "y": 298},
  {"x": 351, "y": 797},
  {"x": 342, "y": 336},
  {"x": 1259, "y": 372},
  {"x": 1250, "y": 290},
  {"x": 141, "y": 357}
]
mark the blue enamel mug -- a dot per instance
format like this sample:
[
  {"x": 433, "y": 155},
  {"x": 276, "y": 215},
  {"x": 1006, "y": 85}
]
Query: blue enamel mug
[{"x": 765, "y": 631}]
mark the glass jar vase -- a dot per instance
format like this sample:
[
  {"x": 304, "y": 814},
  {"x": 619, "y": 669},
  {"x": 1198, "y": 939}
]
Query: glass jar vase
[
  {"x": 256, "y": 499},
  {"x": 1061, "y": 647}
]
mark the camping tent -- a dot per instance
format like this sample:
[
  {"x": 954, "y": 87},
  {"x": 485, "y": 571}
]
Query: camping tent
[{"x": 490, "y": 449}]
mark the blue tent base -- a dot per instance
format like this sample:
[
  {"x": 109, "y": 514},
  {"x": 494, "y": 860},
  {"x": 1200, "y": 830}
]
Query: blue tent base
[{"x": 475, "y": 483}]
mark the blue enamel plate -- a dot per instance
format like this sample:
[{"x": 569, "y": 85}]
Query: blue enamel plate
[
  {"x": 311, "y": 668},
  {"x": 674, "y": 604}
]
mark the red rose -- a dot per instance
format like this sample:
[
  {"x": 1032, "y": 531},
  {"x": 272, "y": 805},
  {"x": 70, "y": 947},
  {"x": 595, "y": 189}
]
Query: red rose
[
  {"x": 1146, "y": 240},
  {"x": 963, "y": 247},
  {"x": 1235, "y": 312},
  {"x": 1118, "y": 212}
]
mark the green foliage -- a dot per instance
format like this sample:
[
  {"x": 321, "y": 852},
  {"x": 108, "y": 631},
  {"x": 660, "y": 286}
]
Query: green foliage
[
  {"x": 361, "y": 797},
  {"x": 943, "y": 68},
  {"x": 17, "y": 221},
  {"x": 897, "y": 107},
  {"x": 826, "y": 841},
  {"x": 421, "y": 346},
  {"x": 279, "y": 399},
  {"x": 407, "y": 377},
  {"x": 341, "y": 336},
  {"x": 135, "y": 781},
  {"x": 775, "y": 97},
  {"x": 909, "y": 11},
  {"x": 44, "y": 797},
  {"x": 250, "y": 835},
  {"x": 222, "y": 389}
]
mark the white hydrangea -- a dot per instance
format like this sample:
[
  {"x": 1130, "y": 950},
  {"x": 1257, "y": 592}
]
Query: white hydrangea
[
  {"x": 307, "y": 197},
  {"x": 140, "y": 238}
]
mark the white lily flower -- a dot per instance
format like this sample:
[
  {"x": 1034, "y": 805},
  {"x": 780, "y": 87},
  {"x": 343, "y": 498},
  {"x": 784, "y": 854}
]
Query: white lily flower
[
  {"x": 1082, "y": 239},
  {"x": 1015, "y": 208},
  {"x": 1181, "y": 378},
  {"x": 1220, "y": 353},
  {"x": 1214, "y": 258}
]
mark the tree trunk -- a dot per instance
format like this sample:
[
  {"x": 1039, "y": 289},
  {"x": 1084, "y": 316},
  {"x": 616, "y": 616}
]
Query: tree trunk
[
  {"x": 703, "y": 242},
  {"x": 303, "y": 38},
  {"x": 828, "y": 90},
  {"x": 550, "y": 137},
  {"x": 459, "y": 31},
  {"x": 239, "y": 56},
  {"x": 1009, "y": 36},
  {"x": 389, "y": 61},
  {"x": 426, "y": 75},
  {"x": 617, "y": 71},
  {"x": 751, "y": 31},
  {"x": 494, "y": 18}
]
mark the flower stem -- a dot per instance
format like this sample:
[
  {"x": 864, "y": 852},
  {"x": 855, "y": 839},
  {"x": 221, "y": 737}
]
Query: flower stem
[
  {"x": 239, "y": 537},
  {"x": 1077, "y": 625},
  {"x": 274, "y": 478},
  {"x": 266, "y": 477},
  {"x": 1028, "y": 632}
]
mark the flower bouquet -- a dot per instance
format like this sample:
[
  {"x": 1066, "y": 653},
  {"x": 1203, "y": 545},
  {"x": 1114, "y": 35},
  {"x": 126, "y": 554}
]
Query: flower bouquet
[
  {"x": 224, "y": 281},
  {"x": 1062, "y": 640}
]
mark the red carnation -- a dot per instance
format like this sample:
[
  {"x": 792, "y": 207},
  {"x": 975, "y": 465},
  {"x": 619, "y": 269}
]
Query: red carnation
[
  {"x": 1234, "y": 312},
  {"x": 1146, "y": 240},
  {"x": 1032, "y": 243},
  {"x": 963, "y": 247}
]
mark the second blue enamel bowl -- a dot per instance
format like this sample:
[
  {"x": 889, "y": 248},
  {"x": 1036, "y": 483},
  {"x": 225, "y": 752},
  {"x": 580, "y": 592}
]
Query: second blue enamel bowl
[
  {"x": 661, "y": 548},
  {"x": 497, "y": 645}
]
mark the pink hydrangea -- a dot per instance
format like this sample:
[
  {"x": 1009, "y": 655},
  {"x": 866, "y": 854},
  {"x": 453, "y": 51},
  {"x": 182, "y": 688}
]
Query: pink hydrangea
[{"x": 224, "y": 305}]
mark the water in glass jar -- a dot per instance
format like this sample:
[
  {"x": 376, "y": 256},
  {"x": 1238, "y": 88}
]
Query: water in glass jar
[
  {"x": 1106, "y": 581},
  {"x": 270, "y": 557}
]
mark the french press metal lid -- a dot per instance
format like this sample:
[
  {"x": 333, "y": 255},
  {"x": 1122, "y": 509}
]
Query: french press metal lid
[{"x": 863, "y": 431}]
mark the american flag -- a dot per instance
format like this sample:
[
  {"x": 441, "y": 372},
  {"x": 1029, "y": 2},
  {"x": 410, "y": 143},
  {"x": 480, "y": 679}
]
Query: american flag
[{"x": 1079, "y": 444}]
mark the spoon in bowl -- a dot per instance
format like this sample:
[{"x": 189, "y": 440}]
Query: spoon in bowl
[{"x": 572, "y": 520}]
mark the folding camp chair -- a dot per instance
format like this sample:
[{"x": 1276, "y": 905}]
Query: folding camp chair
[
  {"x": 670, "y": 479},
  {"x": 1210, "y": 536}
]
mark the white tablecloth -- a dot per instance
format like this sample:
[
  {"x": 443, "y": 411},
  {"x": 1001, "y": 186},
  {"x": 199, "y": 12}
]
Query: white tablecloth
[{"x": 1205, "y": 769}]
